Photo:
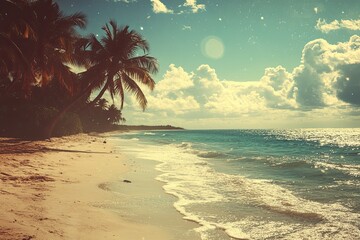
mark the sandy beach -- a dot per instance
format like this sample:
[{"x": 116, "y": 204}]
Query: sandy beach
[{"x": 61, "y": 189}]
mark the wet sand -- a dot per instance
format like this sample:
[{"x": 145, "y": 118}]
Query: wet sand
[{"x": 62, "y": 189}]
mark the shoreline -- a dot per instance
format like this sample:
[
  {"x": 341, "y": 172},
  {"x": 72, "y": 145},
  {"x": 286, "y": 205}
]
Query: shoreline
[
  {"x": 63, "y": 189},
  {"x": 150, "y": 203}
]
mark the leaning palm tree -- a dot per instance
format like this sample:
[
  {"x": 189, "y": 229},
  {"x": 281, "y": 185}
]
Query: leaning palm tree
[{"x": 114, "y": 64}]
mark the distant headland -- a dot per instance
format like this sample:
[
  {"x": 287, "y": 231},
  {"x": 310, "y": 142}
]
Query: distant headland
[{"x": 145, "y": 127}]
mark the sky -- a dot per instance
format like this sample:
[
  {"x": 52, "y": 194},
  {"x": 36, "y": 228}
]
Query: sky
[{"x": 242, "y": 63}]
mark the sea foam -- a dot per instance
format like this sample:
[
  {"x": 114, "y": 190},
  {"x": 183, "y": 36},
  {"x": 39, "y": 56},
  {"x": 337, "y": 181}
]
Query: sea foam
[
  {"x": 244, "y": 207},
  {"x": 197, "y": 185}
]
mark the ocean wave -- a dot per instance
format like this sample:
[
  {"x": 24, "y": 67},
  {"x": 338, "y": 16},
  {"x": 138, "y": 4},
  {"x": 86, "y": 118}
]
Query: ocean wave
[
  {"x": 195, "y": 183},
  {"x": 353, "y": 170},
  {"x": 149, "y": 133},
  {"x": 308, "y": 216},
  {"x": 348, "y": 183},
  {"x": 293, "y": 164},
  {"x": 210, "y": 154},
  {"x": 189, "y": 147},
  {"x": 184, "y": 145},
  {"x": 259, "y": 229},
  {"x": 244, "y": 208}
]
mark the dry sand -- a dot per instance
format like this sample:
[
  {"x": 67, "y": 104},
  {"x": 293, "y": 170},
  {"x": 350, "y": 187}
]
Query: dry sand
[{"x": 53, "y": 190}]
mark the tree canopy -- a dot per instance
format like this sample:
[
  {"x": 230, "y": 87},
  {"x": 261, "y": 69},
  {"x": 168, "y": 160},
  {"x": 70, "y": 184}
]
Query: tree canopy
[{"x": 39, "y": 43}]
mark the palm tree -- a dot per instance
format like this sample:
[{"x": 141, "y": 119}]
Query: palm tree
[
  {"x": 114, "y": 115},
  {"x": 102, "y": 103},
  {"x": 114, "y": 65},
  {"x": 14, "y": 26},
  {"x": 44, "y": 37},
  {"x": 56, "y": 36}
]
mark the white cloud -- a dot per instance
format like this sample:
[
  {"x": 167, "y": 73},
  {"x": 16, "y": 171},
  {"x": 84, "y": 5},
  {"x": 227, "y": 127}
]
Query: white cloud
[
  {"x": 194, "y": 6},
  {"x": 323, "y": 66},
  {"x": 324, "y": 87},
  {"x": 179, "y": 105},
  {"x": 190, "y": 6},
  {"x": 325, "y": 27},
  {"x": 277, "y": 88},
  {"x": 159, "y": 7},
  {"x": 203, "y": 94},
  {"x": 175, "y": 79}
]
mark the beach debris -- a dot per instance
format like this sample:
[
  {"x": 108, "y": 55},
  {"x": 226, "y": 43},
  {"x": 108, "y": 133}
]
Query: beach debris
[
  {"x": 104, "y": 186},
  {"x": 126, "y": 181},
  {"x": 104, "y": 141},
  {"x": 27, "y": 237},
  {"x": 6, "y": 174}
]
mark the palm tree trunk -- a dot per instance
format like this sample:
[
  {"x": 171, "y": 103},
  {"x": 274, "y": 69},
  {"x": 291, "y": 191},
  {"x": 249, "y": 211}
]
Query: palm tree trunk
[
  {"x": 101, "y": 93},
  {"x": 98, "y": 97}
]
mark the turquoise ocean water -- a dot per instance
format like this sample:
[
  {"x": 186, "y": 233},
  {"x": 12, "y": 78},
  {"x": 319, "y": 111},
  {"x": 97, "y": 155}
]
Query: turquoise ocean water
[{"x": 260, "y": 184}]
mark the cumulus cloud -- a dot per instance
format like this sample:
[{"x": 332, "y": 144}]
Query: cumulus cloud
[
  {"x": 326, "y": 83},
  {"x": 319, "y": 81},
  {"x": 159, "y": 7},
  {"x": 170, "y": 94},
  {"x": 348, "y": 83},
  {"x": 194, "y": 6},
  {"x": 190, "y": 6},
  {"x": 323, "y": 66},
  {"x": 325, "y": 27},
  {"x": 202, "y": 93},
  {"x": 227, "y": 98},
  {"x": 276, "y": 86},
  {"x": 174, "y": 80}
]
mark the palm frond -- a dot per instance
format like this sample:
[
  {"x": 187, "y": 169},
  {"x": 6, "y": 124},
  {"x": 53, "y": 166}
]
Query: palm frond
[
  {"x": 65, "y": 77},
  {"x": 107, "y": 31},
  {"x": 114, "y": 29},
  {"x": 77, "y": 19},
  {"x": 131, "y": 86},
  {"x": 146, "y": 62},
  {"x": 140, "y": 75}
]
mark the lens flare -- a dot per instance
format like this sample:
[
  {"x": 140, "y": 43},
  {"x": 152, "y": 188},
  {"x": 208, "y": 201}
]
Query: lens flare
[{"x": 212, "y": 47}]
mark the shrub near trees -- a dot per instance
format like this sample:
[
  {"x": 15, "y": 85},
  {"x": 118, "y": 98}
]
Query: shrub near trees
[{"x": 40, "y": 96}]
